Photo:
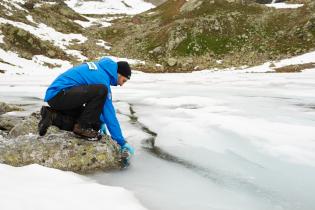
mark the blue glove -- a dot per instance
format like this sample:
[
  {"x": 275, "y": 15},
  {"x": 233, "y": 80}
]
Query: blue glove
[
  {"x": 127, "y": 147},
  {"x": 126, "y": 152},
  {"x": 103, "y": 129}
]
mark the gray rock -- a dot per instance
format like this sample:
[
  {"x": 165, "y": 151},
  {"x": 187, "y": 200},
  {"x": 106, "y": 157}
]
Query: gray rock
[
  {"x": 51, "y": 53},
  {"x": 158, "y": 50},
  {"x": 8, "y": 122},
  {"x": 29, "y": 126},
  {"x": 57, "y": 149},
  {"x": 62, "y": 150},
  {"x": 171, "y": 61},
  {"x": 8, "y": 108}
]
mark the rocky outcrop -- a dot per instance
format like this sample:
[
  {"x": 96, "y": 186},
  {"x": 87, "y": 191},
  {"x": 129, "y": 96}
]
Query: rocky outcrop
[
  {"x": 20, "y": 145},
  {"x": 8, "y": 108}
]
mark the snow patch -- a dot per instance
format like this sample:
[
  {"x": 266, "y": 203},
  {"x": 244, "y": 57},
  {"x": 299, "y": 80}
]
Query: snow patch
[
  {"x": 301, "y": 59},
  {"x": 30, "y": 18},
  {"x": 130, "y": 7},
  {"x": 282, "y": 5},
  {"x": 35, "y": 187},
  {"x": 104, "y": 44},
  {"x": 41, "y": 4},
  {"x": 102, "y": 22},
  {"x": 15, "y": 3},
  {"x": 41, "y": 60},
  {"x": 15, "y": 64}
]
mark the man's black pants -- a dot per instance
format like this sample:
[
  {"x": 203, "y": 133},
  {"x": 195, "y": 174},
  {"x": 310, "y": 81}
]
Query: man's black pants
[{"x": 79, "y": 104}]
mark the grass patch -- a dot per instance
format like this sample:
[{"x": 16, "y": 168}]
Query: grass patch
[{"x": 201, "y": 44}]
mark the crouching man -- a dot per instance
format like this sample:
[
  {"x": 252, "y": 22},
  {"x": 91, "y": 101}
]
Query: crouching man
[{"x": 80, "y": 100}]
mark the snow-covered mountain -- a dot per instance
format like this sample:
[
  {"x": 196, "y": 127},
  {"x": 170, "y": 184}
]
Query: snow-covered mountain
[{"x": 242, "y": 138}]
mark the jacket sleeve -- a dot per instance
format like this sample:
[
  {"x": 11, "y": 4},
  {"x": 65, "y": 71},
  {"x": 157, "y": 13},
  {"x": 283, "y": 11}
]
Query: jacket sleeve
[{"x": 108, "y": 117}]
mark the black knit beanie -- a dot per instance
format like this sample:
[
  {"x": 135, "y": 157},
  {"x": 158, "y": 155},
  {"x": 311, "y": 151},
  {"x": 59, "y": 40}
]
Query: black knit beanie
[{"x": 124, "y": 69}]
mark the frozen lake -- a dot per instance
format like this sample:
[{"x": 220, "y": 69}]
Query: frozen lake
[
  {"x": 223, "y": 140},
  {"x": 208, "y": 140}
]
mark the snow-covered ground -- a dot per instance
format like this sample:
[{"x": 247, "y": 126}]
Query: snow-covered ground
[
  {"x": 283, "y": 5},
  {"x": 241, "y": 139},
  {"x": 130, "y": 7},
  {"x": 35, "y": 187}
]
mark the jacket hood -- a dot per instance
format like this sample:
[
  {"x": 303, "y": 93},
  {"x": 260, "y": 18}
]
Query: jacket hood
[{"x": 110, "y": 67}]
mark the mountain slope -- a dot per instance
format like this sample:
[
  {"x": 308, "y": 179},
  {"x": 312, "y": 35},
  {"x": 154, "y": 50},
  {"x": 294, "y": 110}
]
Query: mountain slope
[{"x": 181, "y": 34}]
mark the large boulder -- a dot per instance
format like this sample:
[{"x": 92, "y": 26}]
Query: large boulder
[
  {"x": 8, "y": 122},
  {"x": 62, "y": 150},
  {"x": 20, "y": 145}
]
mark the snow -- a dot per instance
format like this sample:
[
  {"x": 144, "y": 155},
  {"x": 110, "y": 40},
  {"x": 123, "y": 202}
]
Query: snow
[
  {"x": 30, "y": 18},
  {"x": 302, "y": 59},
  {"x": 15, "y": 3},
  {"x": 104, "y": 44},
  {"x": 41, "y": 4},
  {"x": 36, "y": 187},
  {"x": 102, "y": 22},
  {"x": 282, "y": 5},
  {"x": 17, "y": 64},
  {"x": 130, "y": 7}
]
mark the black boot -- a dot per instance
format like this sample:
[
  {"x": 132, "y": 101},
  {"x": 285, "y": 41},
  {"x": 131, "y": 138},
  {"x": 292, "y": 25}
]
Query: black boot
[
  {"x": 85, "y": 132},
  {"x": 47, "y": 117}
]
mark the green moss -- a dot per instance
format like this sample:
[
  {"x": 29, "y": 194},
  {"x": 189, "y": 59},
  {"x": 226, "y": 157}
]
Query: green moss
[
  {"x": 202, "y": 43},
  {"x": 12, "y": 158}
]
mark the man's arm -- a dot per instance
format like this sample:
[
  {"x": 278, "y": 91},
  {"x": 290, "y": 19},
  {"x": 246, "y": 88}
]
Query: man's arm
[{"x": 108, "y": 116}]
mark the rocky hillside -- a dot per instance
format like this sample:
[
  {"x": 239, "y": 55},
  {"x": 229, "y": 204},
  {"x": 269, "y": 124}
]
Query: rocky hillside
[
  {"x": 186, "y": 35},
  {"x": 177, "y": 35}
]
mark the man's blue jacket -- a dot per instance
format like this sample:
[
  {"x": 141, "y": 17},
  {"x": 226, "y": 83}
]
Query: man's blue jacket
[{"x": 104, "y": 72}]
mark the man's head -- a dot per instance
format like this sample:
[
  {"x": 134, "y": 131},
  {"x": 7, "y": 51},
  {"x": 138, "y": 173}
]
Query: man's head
[{"x": 124, "y": 72}]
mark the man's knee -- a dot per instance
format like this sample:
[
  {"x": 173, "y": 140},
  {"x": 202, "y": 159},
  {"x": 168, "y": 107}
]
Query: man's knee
[{"x": 101, "y": 90}]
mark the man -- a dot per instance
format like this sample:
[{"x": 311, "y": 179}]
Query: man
[{"x": 80, "y": 100}]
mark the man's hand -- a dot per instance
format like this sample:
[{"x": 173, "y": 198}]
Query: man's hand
[
  {"x": 127, "y": 147},
  {"x": 126, "y": 152}
]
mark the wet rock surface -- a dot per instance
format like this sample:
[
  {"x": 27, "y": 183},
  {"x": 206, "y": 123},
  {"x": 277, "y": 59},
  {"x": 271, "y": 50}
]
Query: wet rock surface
[{"x": 21, "y": 145}]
